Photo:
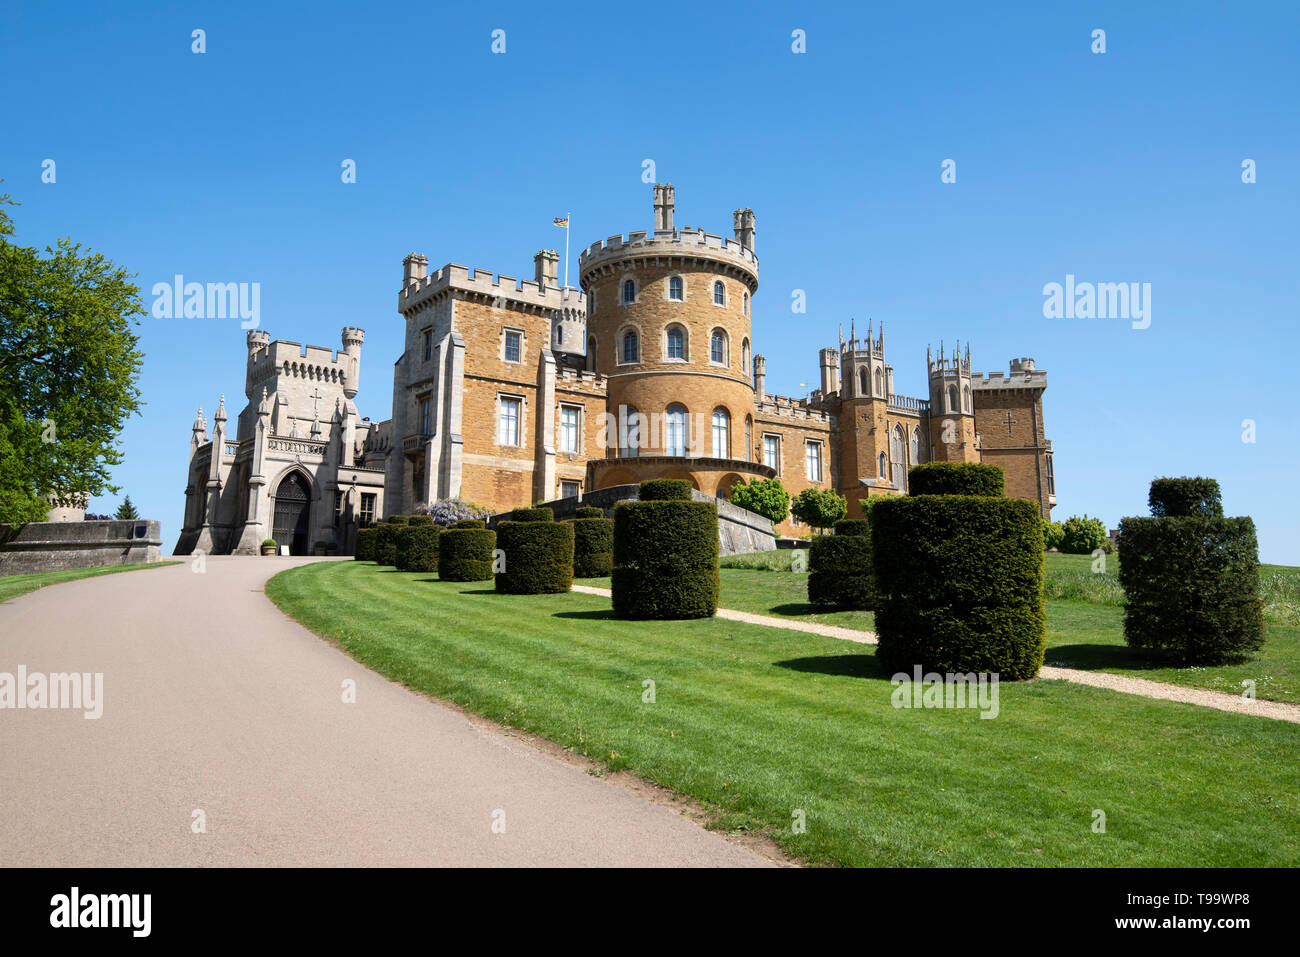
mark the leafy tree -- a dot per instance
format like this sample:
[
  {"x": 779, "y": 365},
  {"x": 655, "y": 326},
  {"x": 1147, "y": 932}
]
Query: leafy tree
[
  {"x": 766, "y": 497},
  {"x": 819, "y": 507},
  {"x": 69, "y": 361},
  {"x": 1053, "y": 532},
  {"x": 126, "y": 511},
  {"x": 1083, "y": 535}
]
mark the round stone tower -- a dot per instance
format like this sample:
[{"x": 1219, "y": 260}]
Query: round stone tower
[{"x": 669, "y": 325}]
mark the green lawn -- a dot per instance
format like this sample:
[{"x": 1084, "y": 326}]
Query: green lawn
[
  {"x": 11, "y": 586},
  {"x": 757, "y": 723},
  {"x": 1085, "y": 620}
]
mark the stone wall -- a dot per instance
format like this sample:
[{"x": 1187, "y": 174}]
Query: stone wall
[
  {"x": 54, "y": 546},
  {"x": 739, "y": 529}
]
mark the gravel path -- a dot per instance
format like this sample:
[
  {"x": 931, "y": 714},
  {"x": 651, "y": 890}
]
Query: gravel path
[{"x": 1277, "y": 710}]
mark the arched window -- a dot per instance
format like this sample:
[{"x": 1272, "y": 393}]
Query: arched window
[
  {"x": 897, "y": 453},
  {"x": 749, "y": 438},
  {"x": 675, "y": 288},
  {"x": 629, "y": 290},
  {"x": 676, "y": 343},
  {"x": 952, "y": 399},
  {"x": 719, "y": 293},
  {"x": 882, "y": 468},
  {"x": 721, "y": 434},
  {"x": 746, "y": 303},
  {"x": 862, "y": 382},
  {"x": 880, "y": 383},
  {"x": 718, "y": 347},
  {"x": 744, "y": 355},
  {"x": 965, "y": 394},
  {"x": 916, "y": 447},
  {"x": 630, "y": 351},
  {"x": 629, "y": 432},
  {"x": 675, "y": 437}
]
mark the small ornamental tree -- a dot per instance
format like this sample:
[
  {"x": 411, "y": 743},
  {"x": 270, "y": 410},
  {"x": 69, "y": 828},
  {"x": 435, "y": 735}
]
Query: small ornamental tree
[
  {"x": 1081, "y": 535},
  {"x": 819, "y": 507},
  {"x": 1191, "y": 577},
  {"x": 538, "y": 556},
  {"x": 1053, "y": 532},
  {"x": 465, "y": 554},
  {"x": 766, "y": 497},
  {"x": 665, "y": 555},
  {"x": 126, "y": 511},
  {"x": 839, "y": 567}
]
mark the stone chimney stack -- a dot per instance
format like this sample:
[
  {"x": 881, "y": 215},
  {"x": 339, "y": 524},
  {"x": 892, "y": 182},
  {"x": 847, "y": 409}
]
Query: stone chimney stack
[
  {"x": 414, "y": 268},
  {"x": 744, "y": 228},
  {"x": 546, "y": 268},
  {"x": 664, "y": 203},
  {"x": 760, "y": 378}
]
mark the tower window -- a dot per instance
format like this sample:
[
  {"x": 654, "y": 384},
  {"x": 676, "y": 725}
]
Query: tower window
[
  {"x": 509, "y": 409},
  {"x": 772, "y": 452},
  {"x": 813, "y": 461},
  {"x": 675, "y": 443},
  {"x": 721, "y": 434},
  {"x": 744, "y": 355},
  {"x": 630, "y": 351},
  {"x": 569, "y": 417},
  {"x": 952, "y": 399},
  {"x": 559, "y": 335},
  {"x": 428, "y": 344},
  {"x": 629, "y": 291},
  {"x": 718, "y": 347},
  {"x": 675, "y": 288},
  {"x": 746, "y": 303},
  {"x": 880, "y": 471},
  {"x": 719, "y": 294},
  {"x": 426, "y": 415},
  {"x": 676, "y": 343},
  {"x": 862, "y": 381},
  {"x": 514, "y": 346}
]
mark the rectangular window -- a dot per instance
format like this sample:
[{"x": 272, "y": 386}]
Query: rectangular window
[
  {"x": 570, "y": 489},
  {"x": 426, "y": 415},
  {"x": 514, "y": 346},
  {"x": 428, "y": 344},
  {"x": 569, "y": 418},
  {"x": 367, "y": 509},
  {"x": 772, "y": 452},
  {"x": 1051, "y": 476},
  {"x": 813, "y": 457},
  {"x": 508, "y": 420}
]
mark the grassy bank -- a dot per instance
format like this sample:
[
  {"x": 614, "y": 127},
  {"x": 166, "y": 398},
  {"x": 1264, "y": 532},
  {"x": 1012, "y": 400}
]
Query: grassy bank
[
  {"x": 11, "y": 586},
  {"x": 758, "y": 723}
]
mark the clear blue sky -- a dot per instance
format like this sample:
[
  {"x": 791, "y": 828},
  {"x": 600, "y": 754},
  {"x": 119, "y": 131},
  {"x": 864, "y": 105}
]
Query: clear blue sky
[{"x": 1118, "y": 167}]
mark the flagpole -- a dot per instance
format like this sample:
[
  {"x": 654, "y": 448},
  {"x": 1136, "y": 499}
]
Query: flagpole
[{"x": 566, "y": 250}]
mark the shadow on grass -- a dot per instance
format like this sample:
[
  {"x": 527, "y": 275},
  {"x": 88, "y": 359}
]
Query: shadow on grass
[
  {"x": 840, "y": 666},
  {"x": 1089, "y": 657},
  {"x": 600, "y": 614}
]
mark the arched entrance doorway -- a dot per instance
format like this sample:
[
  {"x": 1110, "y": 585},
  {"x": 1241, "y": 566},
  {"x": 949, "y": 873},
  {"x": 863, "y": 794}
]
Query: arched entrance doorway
[{"x": 292, "y": 513}]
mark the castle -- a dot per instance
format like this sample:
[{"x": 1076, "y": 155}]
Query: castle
[{"x": 509, "y": 392}]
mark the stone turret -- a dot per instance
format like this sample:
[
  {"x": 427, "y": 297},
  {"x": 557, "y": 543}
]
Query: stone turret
[
  {"x": 744, "y": 227},
  {"x": 414, "y": 268},
  {"x": 546, "y": 268},
  {"x": 353, "y": 337},
  {"x": 664, "y": 204},
  {"x": 952, "y": 410}
]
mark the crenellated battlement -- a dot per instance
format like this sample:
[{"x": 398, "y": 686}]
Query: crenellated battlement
[
  {"x": 944, "y": 364},
  {"x": 1023, "y": 376},
  {"x": 454, "y": 277},
  {"x": 669, "y": 242},
  {"x": 582, "y": 379},
  {"x": 283, "y": 357},
  {"x": 796, "y": 410}
]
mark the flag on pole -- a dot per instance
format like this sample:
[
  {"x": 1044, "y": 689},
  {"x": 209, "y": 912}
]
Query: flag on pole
[{"x": 561, "y": 221}]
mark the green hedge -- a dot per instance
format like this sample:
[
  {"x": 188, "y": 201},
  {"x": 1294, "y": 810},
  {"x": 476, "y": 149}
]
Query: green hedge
[
  {"x": 419, "y": 520},
  {"x": 401, "y": 542},
  {"x": 529, "y": 515},
  {"x": 593, "y": 546},
  {"x": 956, "y": 478},
  {"x": 666, "y": 490},
  {"x": 469, "y": 523},
  {"x": 1191, "y": 588},
  {"x": 465, "y": 554},
  {"x": 422, "y": 548},
  {"x": 665, "y": 559},
  {"x": 959, "y": 583},
  {"x": 839, "y": 567},
  {"x": 589, "y": 512},
  {"x": 1177, "y": 497},
  {"x": 365, "y": 551},
  {"x": 386, "y": 543},
  {"x": 398, "y": 520},
  {"x": 538, "y": 557}
]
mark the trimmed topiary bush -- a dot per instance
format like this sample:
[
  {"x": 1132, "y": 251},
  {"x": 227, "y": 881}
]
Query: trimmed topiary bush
[
  {"x": 956, "y": 478},
  {"x": 469, "y": 523},
  {"x": 839, "y": 567},
  {"x": 398, "y": 520},
  {"x": 1176, "y": 497},
  {"x": 666, "y": 490},
  {"x": 401, "y": 540},
  {"x": 386, "y": 543},
  {"x": 959, "y": 584},
  {"x": 419, "y": 520},
  {"x": 665, "y": 559},
  {"x": 586, "y": 511},
  {"x": 1191, "y": 582},
  {"x": 465, "y": 554},
  {"x": 422, "y": 547},
  {"x": 365, "y": 551},
  {"x": 529, "y": 515},
  {"x": 538, "y": 556},
  {"x": 593, "y": 546}
]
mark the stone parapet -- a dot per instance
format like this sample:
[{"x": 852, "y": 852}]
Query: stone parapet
[{"x": 55, "y": 546}]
